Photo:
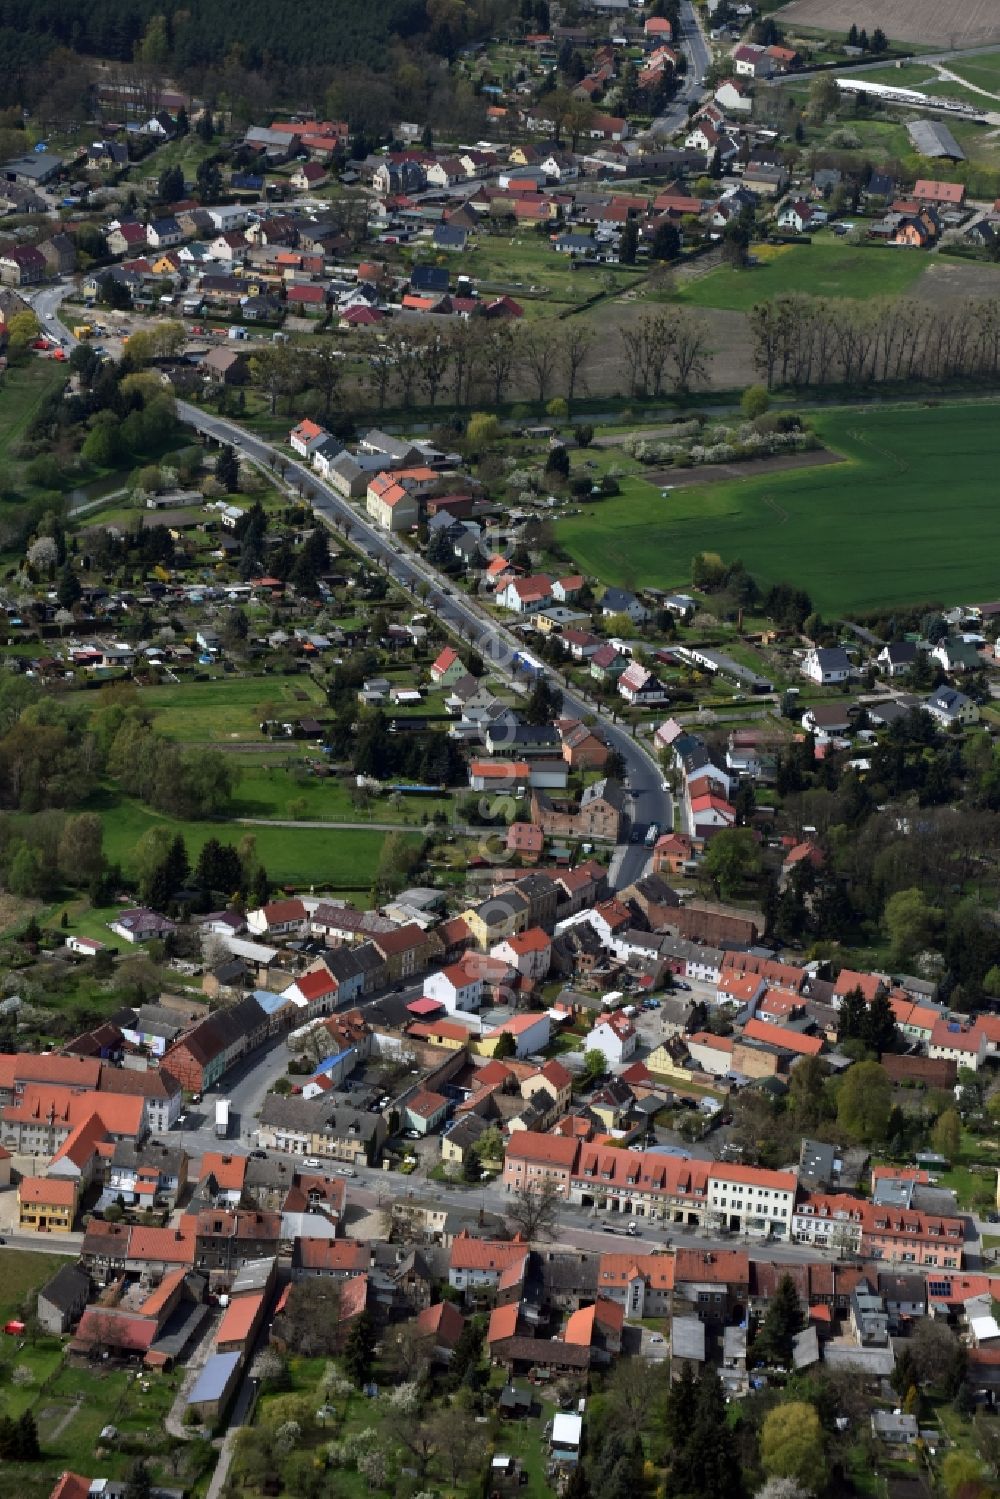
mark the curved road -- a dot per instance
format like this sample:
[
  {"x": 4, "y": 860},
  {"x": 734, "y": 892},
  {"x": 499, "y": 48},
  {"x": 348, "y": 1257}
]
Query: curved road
[{"x": 465, "y": 618}]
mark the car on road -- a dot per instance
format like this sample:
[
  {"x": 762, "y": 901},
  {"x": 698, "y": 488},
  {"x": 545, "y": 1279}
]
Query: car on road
[
  {"x": 345, "y": 1171},
  {"x": 412, "y": 1134},
  {"x": 657, "y": 1337},
  {"x": 313, "y": 1163},
  {"x": 258, "y": 1155}
]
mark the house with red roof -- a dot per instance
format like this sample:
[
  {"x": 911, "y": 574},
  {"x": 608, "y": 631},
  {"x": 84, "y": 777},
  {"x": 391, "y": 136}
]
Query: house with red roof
[
  {"x": 488, "y": 1267},
  {"x": 533, "y": 1160},
  {"x": 448, "y": 668},
  {"x": 425, "y": 1111},
  {"x": 454, "y": 987},
  {"x": 530, "y": 952},
  {"x": 597, "y": 1327},
  {"x": 522, "y": 595},
  {"x": 442, "y": 1325},
  {"x": 526, "y": 840}
]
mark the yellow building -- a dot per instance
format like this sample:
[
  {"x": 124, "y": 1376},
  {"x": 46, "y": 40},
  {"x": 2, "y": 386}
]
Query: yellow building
[
  {"x": 664, "y": 1063},
  {"x": 47, "y": 1204}
]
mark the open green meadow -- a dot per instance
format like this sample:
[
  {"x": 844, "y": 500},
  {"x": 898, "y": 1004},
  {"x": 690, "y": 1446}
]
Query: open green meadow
[
  {"x": 223, "y": 709},
  {"x": 826, "y": 268},
  {"x": 346, "y": 858},
  {"x": 983, "y": 70},
  {"x": 910, "y": 515},
  {"x": 25, "y": 388},
  {"x": 22, "y": 1274}
]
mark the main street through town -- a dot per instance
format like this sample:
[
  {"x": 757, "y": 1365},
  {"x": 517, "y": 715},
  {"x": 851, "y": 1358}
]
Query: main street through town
[{"x": 466, "y": 619}]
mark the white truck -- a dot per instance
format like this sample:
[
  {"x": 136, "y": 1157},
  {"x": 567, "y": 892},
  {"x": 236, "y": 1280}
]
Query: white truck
[{"x": 222, "y": 1118}]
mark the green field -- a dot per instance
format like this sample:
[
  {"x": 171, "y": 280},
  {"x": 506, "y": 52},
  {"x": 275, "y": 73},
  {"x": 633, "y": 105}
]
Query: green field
[
  {"x": 24, "y": 389},
  {"x": 982, "y": 70},
  {"x": 344, "y": 857},
  {"x": 22, "y": 1273},
  {"x": 909, "y": 516},
  {"x": 229, "y": 708},
  {"x": 826, "y": 268}
]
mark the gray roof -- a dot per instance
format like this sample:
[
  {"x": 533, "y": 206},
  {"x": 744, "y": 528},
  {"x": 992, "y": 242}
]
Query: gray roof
[
  {"x": 67, "y": 1287},
  {"x": 607, "y": 790},
  {"x": 317, "y": 1114},
  {"x": 214, "y": 1378},
  {"x": 254, "y": 1275},
  {"x": 932, "y": 138},
  {"x": 687, "y": 1338},
  {"x": 165, "y": 1158}
]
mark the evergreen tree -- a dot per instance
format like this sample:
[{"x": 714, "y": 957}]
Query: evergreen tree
[
  {"x": 359, "y": 1350},
  {"x": 853, "y": 1016},
  {"x": 177, "y": 866},
  {"x": 227, "y": 469},
  {"x": 260, "y": 887},
  {"x": 138, "y": 1484},
  {"x": 782, "y": 1322},
  {"x": 26, "y": 1439},
  {"x": 681, "y": 1403},
  {"x": 69, "y": 587},
  {"x": 878, "y": 1028},
  {"x": 706, "y": 1464},
  {"x": 629, "y": 243}
]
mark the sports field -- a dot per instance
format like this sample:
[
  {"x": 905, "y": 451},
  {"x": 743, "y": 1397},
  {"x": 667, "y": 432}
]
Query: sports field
[
  {"x": 911, "y": 515},
  {"x": 826, "y": 268}
]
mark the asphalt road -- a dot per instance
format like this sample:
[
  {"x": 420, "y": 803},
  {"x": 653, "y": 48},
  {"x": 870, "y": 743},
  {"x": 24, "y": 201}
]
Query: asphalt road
[
  {"x": 699, "y": 56},
  {"x": 466, "y": 619}
]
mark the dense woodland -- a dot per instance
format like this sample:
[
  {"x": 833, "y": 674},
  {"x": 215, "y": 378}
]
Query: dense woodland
[{"x": 249, "y": 55}]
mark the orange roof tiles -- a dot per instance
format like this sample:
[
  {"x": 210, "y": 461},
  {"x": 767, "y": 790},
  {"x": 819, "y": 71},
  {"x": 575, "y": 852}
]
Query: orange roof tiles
[
  {"x": 621, "y": 1269},
  {"x": 47, "y": 1191},
  {"x": 240, "y": 1319},
  {"x": 503, "y": 1323},
  {"x": 229, "y": 1170},
  {"x": 781, "y": 1036},
  {"x": 550, "y": 1150},
  {"x": 468, "y": 1253}
]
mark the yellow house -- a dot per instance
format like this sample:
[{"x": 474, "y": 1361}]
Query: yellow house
[
  {"x": 47, "y": 1204},
  {"x": 664, "y": 1063},
  {"x": 163, "y": 266},
  {"x": 496, "y": 918},
  {"x": 446, "y": 1033}
]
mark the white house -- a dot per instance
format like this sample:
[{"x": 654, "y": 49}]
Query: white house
[
  {"x": 735, "y": 98},
  {"x": 455, "y": 988},
  {"x": 827, "y": 664},
  {"x": 637, "y": 685},
  {"x": 529, "y": 952},
  {"x": 530, "y": 1032},
  {"x": 523, "y": 595},
  {"x": 614, "y": 1037},
  {"x": 948, "y": 706},
  {"x": 800, "y": 216},
  {"x": 307, "y": 436},
  {"x": 896, "y": 658}
]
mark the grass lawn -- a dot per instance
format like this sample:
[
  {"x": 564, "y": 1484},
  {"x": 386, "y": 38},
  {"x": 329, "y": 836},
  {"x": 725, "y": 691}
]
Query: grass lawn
[
  {"x": 906, "y": 518},
  {"x": 270, "y": 791},
  {"x": 229, "y": 708},
  {"x": 25, "y": 387},
  {"x": 22, "y": 1272},
  {"x": 828, "y": 268},
  {"x": 346, "y": 858},
  {"x": 71, "y": 1412},
  {"x": 983, "y": 70}
]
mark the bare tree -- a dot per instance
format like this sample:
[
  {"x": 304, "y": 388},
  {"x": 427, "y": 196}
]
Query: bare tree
[
  {"x": 381, "y": 370},
  {"x": 574, "y": 345},
  {"x": 466, "y": 352},
  {"x": 499, "y": 354},
  {"x": 689, "y": 346},
  {"x": 540, "y": 355},
  {"x": 434, "y": 357},
  {"x": 533, "y": 1211}
]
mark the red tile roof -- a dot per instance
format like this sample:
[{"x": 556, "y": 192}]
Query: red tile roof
[
  {"x": 503, "y": 1323},
  {"x": 552, "y": 1150}
]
